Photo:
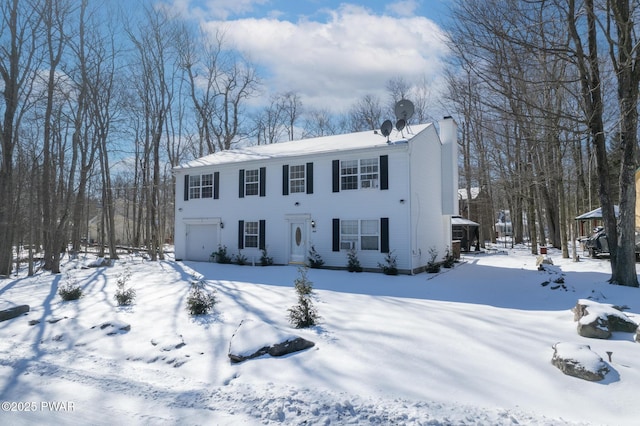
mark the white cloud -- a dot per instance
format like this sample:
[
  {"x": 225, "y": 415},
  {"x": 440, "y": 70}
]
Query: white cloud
[
  {"x": 334, "y": 62},
  {"x": 402, "y": 8}
]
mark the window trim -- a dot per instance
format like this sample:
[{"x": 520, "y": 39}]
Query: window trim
[
  {"x": 353, "y": 241},
  {"x": 195, "y": 187},
  {"x": 352, "y": 176}
]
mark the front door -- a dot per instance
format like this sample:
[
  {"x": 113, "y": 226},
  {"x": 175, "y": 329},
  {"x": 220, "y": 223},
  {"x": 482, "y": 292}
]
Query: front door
[{"x": 298, "y": 243}]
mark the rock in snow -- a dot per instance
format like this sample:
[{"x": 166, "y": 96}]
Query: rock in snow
[
  {"x": 579, "y": 361},
  {"x": 256, "y": 338},
  {"x": 599, "y": 320},
  {"x": 13, "y": 312}
]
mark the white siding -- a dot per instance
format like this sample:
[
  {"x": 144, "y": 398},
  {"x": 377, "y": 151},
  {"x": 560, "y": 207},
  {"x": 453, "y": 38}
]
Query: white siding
[{"x": 412, "y": 203}]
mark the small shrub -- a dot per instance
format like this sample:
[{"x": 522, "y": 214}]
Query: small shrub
[
  {"x": 265, "y": 259},
  {"x": 221, "y": 255},
  {"x": 200, "y": 301},
  {"x": 304, "y": 314},
  {"x": 433, "y": 266},
  {"x": 390, "y": 265},
  {"x": 123, "y": 296},
  {"x": 240, "y": 259},
  {"x": 314, "y": 259},
  {"x": 353, "y": 264},
  {"x": 70, "y": 290},
  {"x": 449, "y": 260}
]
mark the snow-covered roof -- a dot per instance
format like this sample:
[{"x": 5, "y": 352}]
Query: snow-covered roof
[
  {"x": 597, "y": 214},
  {"x": 458, "y": 220},
  {"x": 324, "y": 144}
]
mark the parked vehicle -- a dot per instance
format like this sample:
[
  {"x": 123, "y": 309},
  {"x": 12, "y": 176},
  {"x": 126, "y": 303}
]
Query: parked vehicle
[{"x": 597, "y": 243}]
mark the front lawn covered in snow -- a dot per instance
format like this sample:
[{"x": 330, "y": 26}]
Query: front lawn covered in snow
[{"x": 470, "y": 345}]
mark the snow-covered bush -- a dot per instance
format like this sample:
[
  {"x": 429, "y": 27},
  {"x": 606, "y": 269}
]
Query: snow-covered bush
[
  {"x": 70, "y": 290},
  {"x": 265, "y": 259},
  {"x": 314, "y": 259},
  {"x": 221, "y": 255},
  {"x": 304, "y": 314},
  {"x": 353, "y": 264},
  {"x": 124, "y": 296},
  {"x": 449, "y": 259},
  {"x": 200, "y": 301},
  {"x": 390, "y": 265},
  {"x": 433, "y": 266},
  {"x": 240, "y": 259}
]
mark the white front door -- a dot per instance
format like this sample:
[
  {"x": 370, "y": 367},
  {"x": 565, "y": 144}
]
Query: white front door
[{"x": 298, "y": 243}]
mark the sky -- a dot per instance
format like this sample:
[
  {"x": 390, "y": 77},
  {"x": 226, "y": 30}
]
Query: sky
[{"x": 331, "y": 52}]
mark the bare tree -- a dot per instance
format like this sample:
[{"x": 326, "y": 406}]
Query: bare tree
[
  {"x": 157, "y": 61},
  {"x": 18, "y": 62},
  {"x": 365, "y": 114}
]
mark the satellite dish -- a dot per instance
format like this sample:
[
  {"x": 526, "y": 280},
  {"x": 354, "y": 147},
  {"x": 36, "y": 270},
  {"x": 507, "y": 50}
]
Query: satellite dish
[
  {"x": 404, "y": 110},
  {"x": 386, "y": 128},
  {"x": 400, "y": 124}
]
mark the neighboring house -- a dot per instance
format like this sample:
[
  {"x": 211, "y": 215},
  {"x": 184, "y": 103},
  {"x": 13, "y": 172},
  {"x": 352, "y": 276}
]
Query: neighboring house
[{"x": 358, "y": 191}]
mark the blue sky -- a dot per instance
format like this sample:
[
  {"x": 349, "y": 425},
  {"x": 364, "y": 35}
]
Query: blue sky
[{"x": 332, "y": 52}]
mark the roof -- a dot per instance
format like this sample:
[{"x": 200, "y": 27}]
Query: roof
[
  {"x": 458, "y": 220},
  {"x": 325, "y": 144},
  {"x": 596, "y": 214}
]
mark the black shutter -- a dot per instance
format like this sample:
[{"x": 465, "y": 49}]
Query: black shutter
[
  {"x": 186, "y": 187},
  {"x": 216, "y": 185},
  {"x": 384, "y": 172},
  {"x": 241, "y": 184},
  {"x": 384, "y": 235},
  {"x": 336, "y": 175},
  {"x": 336, "y": 234},
  {"x": 261, "y": 235},
  {"x": 285, "y": 179},
  {"x": 240, "y": 234},
  {"x": 263, "y": 181},
  {"x": 309, "y": 178}
]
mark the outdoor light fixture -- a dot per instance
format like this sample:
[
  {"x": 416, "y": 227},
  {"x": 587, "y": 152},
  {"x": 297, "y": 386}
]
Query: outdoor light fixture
[
  {"x": 221, "y": 225},
  {"x": 402, "y": 201},
  {"x": 296, "y": 203},
  {"x": 313, "y": 224}
]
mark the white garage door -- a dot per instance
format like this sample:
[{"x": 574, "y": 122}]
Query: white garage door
[{"x": 202, "y": 240}]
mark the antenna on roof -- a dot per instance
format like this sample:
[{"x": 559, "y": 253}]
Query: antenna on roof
[
  {"x": 386, "y": 128},
  {"x": 404, "y": 110}
]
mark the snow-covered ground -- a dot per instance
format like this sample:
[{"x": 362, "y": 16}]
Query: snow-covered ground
[{"x": 469, "y": 346}]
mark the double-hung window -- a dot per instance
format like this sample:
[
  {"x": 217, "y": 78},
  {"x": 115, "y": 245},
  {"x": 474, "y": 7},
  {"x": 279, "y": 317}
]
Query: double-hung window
[
  {"x": 349, "y": 174},
  {"x": 369, "y": 173},
  {"x": 356, "y": 174},
  {"x": 251, "y": 182},
  {"x": 251, "y": 234},
  {"x": 297, "y": 179},
  {"x": 201, "y": 186},
  {"x": 359, "y": 235},
  {"x": 348, "y": 234}
]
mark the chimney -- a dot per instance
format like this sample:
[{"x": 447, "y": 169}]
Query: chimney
[{"x": 449, "y": 158}]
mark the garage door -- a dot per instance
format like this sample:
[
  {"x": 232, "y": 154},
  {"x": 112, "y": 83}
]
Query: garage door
[{"x": 202, "y": 240}]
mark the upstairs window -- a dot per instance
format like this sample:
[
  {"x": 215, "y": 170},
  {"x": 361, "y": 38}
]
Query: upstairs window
[
  {"x": 357, "y": 174},
  {"x": 349, "y": 174},
  {"x": 201, "y": 186},
  {"x": 297, "y": 179},
  {"x": 251, "y": 182},
  {"x": 369, "y": 173}
]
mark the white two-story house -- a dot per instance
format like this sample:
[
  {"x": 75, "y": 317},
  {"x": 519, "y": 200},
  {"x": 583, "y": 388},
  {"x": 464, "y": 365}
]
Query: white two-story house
[{"x": 360, "y": 191}]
